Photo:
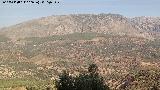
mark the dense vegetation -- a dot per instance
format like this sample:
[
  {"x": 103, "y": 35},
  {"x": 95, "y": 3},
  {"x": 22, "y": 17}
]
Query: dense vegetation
[{"x": 85, "y": 81}]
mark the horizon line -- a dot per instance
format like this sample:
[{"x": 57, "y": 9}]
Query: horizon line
[{"x": 35, "y": 18}]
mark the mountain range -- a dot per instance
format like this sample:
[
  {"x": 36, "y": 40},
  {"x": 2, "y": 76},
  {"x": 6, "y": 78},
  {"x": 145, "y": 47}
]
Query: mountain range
[{"x": 147, "y": 27}]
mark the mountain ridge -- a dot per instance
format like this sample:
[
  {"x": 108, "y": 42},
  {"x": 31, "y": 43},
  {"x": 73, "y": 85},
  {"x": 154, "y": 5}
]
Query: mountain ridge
[{"x": 147, "y": 27}]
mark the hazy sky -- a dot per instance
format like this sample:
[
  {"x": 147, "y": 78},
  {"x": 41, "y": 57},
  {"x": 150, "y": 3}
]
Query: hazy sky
[{"x": 11, "y": 14}]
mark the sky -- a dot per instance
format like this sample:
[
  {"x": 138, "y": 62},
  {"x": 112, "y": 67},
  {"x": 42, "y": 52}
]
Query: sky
[{"x": 11, "y": 14}]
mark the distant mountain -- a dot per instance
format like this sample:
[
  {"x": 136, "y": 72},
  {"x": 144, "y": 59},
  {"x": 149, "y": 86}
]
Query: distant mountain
[
  {"x": 147, "y": 23},
  {"x": 101, "y": 23}
]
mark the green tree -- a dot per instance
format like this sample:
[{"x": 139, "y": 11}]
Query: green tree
[
  {"x": 90, "y": 80},
  {"x": 65, "y": 82}
]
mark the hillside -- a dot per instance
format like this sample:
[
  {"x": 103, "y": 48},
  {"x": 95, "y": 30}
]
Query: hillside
[
  {"x": 80, "y": 23},
  {"x": 41, "y": 49},
  {"x": 44, "y": 58}
]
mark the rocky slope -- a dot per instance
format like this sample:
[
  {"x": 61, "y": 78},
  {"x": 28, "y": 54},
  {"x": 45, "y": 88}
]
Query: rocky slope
[
  {"x": 150, "y": 24},
  {"x": 101, "y": 23}
]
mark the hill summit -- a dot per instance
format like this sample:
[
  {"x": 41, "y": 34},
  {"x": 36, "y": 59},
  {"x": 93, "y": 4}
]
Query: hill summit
[{"x": 82, "y": 23}]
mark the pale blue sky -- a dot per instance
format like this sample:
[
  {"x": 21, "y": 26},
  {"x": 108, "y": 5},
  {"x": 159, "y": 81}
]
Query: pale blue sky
[{"x": 11, "y": 14}]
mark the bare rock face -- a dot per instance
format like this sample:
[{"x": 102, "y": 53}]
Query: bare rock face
[
  {"x": 101, "y": 23},
  {"x": 147, "y": 23}
]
